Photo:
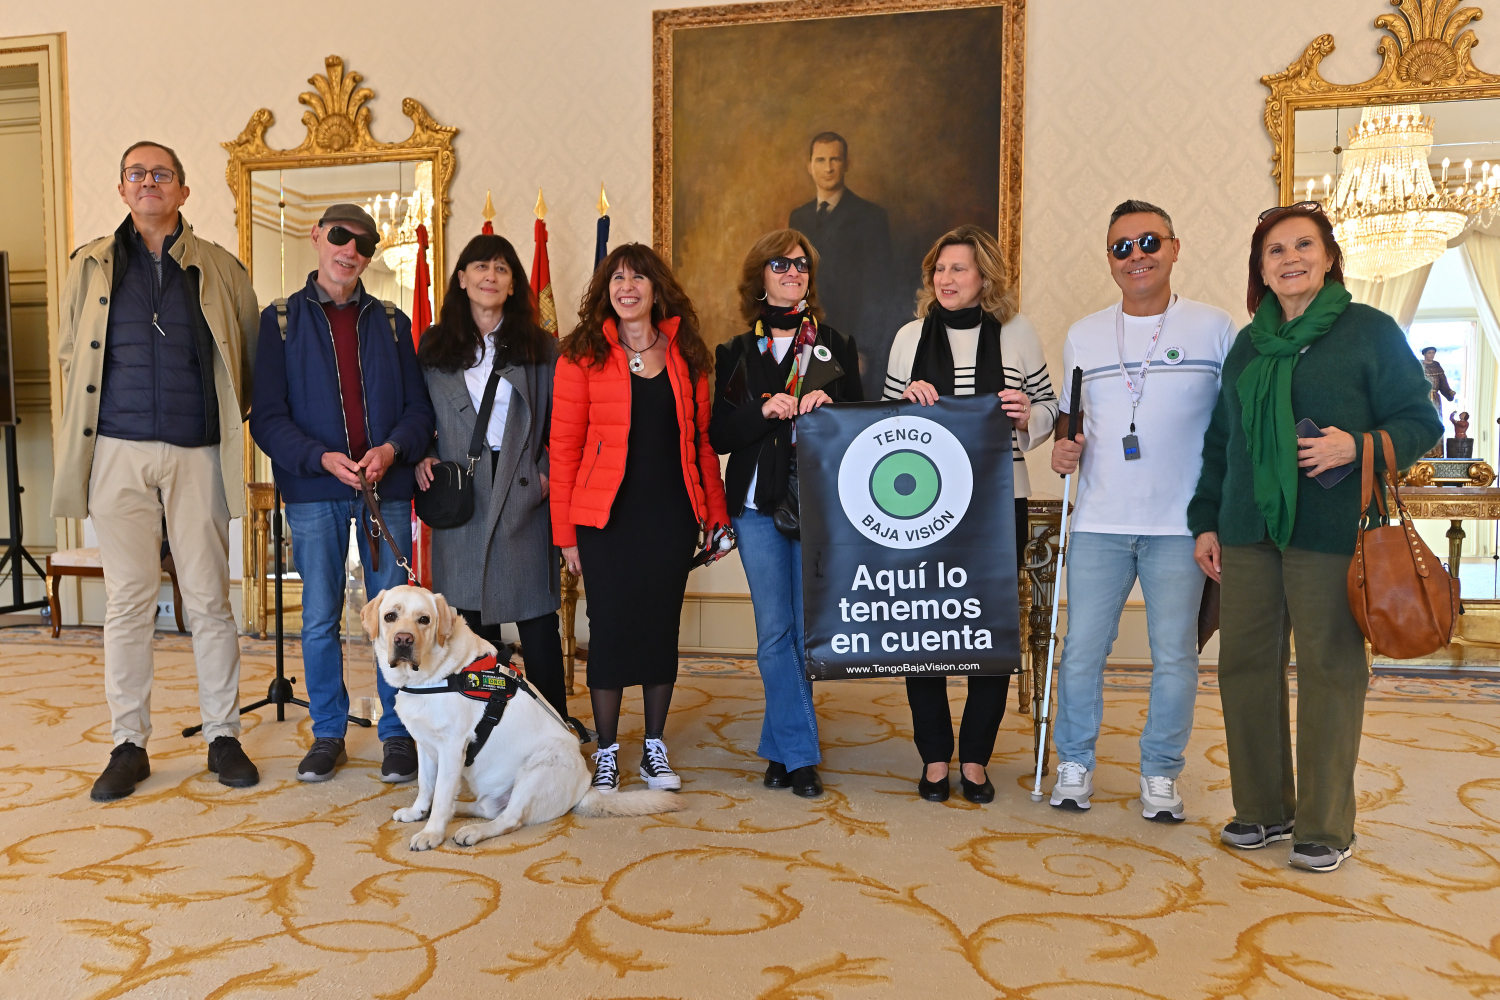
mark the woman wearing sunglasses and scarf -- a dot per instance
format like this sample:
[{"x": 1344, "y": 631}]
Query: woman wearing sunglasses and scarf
[
  {"x": 786, "y": 364},
  {"x": 968, "y": 339}
]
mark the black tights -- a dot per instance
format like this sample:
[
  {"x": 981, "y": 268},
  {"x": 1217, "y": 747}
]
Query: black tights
[{"x": 606, "y": 702}]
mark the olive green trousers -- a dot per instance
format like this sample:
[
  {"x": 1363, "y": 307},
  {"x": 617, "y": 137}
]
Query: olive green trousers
[{"x": 1269, "y": 595}]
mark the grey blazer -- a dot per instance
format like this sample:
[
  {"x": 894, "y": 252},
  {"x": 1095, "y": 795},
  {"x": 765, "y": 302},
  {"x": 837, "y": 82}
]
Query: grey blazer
[{"x": 502, "y": 562}]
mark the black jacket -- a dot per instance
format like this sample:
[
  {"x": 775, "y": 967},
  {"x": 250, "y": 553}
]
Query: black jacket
[
  {"x": 158, "y": 354},
  {"x": 745, "y": 379}
]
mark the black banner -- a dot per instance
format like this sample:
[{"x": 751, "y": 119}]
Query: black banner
[{"x": 908, "y": 539}]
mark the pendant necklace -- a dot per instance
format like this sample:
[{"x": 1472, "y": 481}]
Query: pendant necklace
[{"x": 636, "y": 364}]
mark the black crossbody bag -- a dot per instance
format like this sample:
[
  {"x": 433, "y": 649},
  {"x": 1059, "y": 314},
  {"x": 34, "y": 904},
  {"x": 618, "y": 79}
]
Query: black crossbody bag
[{"x": 449, "y": 501}]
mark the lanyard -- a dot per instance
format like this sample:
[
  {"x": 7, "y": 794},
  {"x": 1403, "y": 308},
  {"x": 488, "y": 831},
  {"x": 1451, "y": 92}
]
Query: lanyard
[{"x": 1138, "y": 387}]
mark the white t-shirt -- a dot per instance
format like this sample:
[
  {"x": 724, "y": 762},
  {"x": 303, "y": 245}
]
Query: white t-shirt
[
  {"x": 1147, "y": 496},
  {"x": 476, "y": 379},
  {"x": 779, "y": 347}
]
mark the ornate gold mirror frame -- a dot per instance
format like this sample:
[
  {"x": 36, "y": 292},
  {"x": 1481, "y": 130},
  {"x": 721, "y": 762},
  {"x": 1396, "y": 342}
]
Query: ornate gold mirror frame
[
  {"x": 1425, "y": 58},
  {"x": 338, "y": 134}
]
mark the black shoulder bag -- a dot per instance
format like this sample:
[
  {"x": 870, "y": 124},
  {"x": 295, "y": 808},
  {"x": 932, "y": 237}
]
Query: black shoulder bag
[{"x": 449, "y": 501}]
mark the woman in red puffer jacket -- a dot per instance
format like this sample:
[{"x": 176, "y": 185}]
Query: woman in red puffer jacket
[{"x": 634, "y": 484}]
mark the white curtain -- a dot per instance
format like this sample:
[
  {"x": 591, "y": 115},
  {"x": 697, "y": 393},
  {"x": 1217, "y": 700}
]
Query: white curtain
[
  {"x": 1481, "y": 257},
  {"x": 1398, "y": 296}
]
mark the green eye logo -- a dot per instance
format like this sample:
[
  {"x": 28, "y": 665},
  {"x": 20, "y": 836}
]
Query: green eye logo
[
  {"x": 905, "y": 484},
  {"x": 1173, "y": 356}
]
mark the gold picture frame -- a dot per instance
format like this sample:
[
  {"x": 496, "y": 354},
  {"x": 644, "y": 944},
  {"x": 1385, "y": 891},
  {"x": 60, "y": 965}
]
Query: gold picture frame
[
  {"x": 1424, "y": 58},
  {"x": 666, "y": 23}
]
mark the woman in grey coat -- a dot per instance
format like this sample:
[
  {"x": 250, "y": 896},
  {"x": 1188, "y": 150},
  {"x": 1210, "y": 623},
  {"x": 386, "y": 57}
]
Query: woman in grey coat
[{"x": 500, "y": 566}]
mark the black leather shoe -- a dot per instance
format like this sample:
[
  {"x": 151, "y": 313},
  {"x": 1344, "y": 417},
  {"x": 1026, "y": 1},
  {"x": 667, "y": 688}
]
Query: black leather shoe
[
  {"x": 933, "y": 791},
  {"x": 806, "y": 783},
  {"x": 977, "y": 793},
  {"x": 127, "y": 767},
  {"x": 227, "y": 759},
  {"x": 776, "y": 776}
]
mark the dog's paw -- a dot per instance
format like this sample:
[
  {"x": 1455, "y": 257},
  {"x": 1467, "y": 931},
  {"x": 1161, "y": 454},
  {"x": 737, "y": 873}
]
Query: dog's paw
[
  {"x": 411, "y": 814},
  {"x": 427, "y": 840},
  {"x": 468, "y": 836}
]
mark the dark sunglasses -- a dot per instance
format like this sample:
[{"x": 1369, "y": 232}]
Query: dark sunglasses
[
  {"x": 363, "y": 245},
  {"x": 781, "y": 265},
  {"x": 1150, "y": 243},
  {"x": 1307, "y": 206}
]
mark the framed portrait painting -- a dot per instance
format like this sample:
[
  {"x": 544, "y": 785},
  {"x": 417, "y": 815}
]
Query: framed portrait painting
[{"x": 871, "y": 126}]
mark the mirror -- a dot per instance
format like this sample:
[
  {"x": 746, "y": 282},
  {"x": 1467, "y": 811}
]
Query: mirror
[{"x": 281, "y": 193}]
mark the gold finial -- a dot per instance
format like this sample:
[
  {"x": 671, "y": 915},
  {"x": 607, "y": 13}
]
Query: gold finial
[
  {"x": 489, "y": 208},
  {"x": 541, "y": 206},
  {"x": 603, "y": 201}
]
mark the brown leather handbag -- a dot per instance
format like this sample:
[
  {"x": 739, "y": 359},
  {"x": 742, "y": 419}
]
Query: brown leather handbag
[{"x": 1403, "y": 600}]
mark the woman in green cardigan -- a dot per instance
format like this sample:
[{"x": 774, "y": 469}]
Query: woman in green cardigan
[{"x": 1283, "y": 542}]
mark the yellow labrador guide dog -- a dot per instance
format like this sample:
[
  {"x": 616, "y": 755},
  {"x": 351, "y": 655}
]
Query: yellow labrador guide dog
[{"x": 526, "y": 769}]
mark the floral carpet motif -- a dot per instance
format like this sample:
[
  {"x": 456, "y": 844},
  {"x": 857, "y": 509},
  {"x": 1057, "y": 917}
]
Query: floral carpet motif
[{"x": 191, "y": 889}]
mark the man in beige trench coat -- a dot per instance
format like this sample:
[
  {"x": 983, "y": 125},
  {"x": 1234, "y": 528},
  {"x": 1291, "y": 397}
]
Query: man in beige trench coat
[{"x": 158, "y": 334}]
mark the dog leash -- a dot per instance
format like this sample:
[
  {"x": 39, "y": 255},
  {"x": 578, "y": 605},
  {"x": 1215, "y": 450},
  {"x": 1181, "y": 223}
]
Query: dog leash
[{"x": 372, "y": 503}]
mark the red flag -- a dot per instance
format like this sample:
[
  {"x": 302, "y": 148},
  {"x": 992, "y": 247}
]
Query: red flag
[
  {"x": 541, "y": 282},
  {"x": 421, "y": 319}
]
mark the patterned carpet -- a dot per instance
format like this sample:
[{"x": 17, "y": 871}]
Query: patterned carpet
[{"x": 190, "y": 889}]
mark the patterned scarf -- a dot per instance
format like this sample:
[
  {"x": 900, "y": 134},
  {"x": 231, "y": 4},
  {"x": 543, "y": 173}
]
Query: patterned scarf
[{"x": 801, "y": 351}]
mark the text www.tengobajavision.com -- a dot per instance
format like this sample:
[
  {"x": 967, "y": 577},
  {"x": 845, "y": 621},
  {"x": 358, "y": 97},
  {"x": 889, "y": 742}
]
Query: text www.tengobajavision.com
[{"x": 910, "y": 668}]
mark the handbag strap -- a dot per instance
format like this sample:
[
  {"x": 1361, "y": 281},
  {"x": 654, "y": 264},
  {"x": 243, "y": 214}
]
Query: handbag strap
[
  {"x": 372, "y": 502},
  {"x": 482, "y": 419}
]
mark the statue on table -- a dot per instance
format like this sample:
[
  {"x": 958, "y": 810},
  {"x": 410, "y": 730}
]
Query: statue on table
[
  {"x": 1460, "y": 445},
  {"x": 1460, "y": 422},
  {"x": 1440, "y": 389}
]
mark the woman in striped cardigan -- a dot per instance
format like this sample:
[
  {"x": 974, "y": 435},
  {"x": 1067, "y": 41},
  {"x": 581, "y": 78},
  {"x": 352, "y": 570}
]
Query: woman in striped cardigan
[{"x": 969, "y": 338}]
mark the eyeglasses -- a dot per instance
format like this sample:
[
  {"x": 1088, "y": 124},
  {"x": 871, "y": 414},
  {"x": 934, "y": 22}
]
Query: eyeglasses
[
  {"x": 363, "y": 245},
  {"x": 1306, "y": 206},
  {"x": 160, "y": 175},
  {"x": 781, "y": 265},
  {"x": 1150, "y": 243}
]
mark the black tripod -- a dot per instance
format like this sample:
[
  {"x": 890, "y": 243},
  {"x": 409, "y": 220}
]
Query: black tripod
[
  {"x": 16, "y": 557},
  {"x": 280, "y": 692}
]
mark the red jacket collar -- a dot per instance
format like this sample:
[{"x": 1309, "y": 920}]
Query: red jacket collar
[{"x": 667, "y": 326}]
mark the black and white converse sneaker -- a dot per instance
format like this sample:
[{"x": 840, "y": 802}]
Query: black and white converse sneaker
[
  {"x": 655, "y": 768},
  {"x": 606, "y": 771}
]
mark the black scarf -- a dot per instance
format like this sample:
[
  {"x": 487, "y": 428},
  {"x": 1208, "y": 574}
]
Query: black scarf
[
  {"x": 934, "y": 358},
  {"x": 783, "y": 317}
]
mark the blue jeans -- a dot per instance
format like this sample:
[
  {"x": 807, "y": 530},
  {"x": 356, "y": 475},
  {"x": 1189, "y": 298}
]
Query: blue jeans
[
  {"x": 1101, "y": 570},
  {"x": 773, "y": 565},
  {"x": 320, "y": 544}
]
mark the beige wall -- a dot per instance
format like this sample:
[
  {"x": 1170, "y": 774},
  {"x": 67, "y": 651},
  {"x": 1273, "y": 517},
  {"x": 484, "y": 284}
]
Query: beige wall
[{"x": 1160, "y": 101}]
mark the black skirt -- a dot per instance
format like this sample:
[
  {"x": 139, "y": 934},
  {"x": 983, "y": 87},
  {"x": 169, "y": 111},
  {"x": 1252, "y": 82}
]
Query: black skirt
[{"x": 635, "y": 568}]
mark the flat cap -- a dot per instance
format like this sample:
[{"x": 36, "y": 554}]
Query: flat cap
[{"x": 349, "y": 213}]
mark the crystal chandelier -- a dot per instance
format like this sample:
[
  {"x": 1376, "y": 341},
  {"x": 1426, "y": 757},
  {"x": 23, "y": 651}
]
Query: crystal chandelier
[
  {"x": 1388, "y": 214},
  {"x": 398, "y": 242}
]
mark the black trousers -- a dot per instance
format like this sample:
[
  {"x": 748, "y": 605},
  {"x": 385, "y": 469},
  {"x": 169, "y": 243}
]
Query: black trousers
[
  {"x": 984, "y": 708},
  {"x": 541, "y": 644}
]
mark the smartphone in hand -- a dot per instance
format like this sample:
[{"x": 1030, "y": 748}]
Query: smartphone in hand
[{"x": 1328, "y": 478}]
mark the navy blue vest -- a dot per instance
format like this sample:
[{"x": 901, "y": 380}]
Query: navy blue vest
[{"x": 158, "y": 354}]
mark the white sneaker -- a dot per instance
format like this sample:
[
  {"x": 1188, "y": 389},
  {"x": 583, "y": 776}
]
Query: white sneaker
[
  {"x": 606, "y": 771},
  {"x": 1075, "y": 783},
  {"x": 1160, "y": 802},
  {"x": 656, "y": 770}
]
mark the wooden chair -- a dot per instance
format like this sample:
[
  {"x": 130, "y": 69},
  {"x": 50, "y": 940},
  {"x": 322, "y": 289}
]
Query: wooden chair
[{"x": 86, "y": 562}]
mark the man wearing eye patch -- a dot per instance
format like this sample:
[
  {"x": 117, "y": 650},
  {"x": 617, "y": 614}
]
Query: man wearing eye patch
[
  {"x": 156, "y": 350},
  {"x": 1151, "y": 364},
  {"x": 338, "y": 392}
]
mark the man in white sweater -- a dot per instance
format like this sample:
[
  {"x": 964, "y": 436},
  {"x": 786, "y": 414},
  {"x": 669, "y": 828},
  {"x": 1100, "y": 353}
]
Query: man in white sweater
[{"x": 1151, "y": 365}]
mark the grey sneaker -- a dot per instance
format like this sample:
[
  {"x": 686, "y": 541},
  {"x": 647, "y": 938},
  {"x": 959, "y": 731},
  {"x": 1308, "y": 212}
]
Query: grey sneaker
[
  {"x": 1317, "y": 858},
  {"x": 1160, "y": 800},
  {"x": 322, "y": 760},
  {"x": 1250, "y": 836},
  {"x": 606, "y": 770},
  {"x": 1074, "y": 786},
  {"x": 656, "y": 769}
]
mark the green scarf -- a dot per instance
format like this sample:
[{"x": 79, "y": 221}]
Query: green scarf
[{"x": 1265, "y": 389}]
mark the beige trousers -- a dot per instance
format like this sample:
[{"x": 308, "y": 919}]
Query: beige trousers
[{"x": 131, "y": 485}]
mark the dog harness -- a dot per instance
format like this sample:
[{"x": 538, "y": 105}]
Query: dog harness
[{"x": 488, "y": 681}]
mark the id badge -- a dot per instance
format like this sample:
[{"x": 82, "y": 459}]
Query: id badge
[{"x": 1132, "y": 447}]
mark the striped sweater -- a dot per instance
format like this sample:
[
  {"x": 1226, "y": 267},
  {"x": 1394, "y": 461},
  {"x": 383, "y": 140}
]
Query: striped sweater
[{"x": 1025, "y": 369}]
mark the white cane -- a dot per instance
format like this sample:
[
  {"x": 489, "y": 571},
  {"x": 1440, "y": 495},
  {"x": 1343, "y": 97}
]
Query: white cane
[{"x": 1062, "y": 556}]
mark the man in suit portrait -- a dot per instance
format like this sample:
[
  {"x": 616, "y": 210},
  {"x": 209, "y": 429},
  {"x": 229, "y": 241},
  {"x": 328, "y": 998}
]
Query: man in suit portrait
[{"x": 855, "y": 274}]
